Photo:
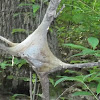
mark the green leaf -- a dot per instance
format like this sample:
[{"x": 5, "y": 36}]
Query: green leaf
[
  {"x": 79, "y": 54},
  {"x": 4, "y": 64},
  {"x": 97, "y": 55},
  {"x": 40, "y": 95},
  {"x": 77, "y": 78},
  {"x": 72, "y": 71},
  {"x": 32, "y": 1},
  {"x": 16, "y": 61},
  {"x": 98, "y": 89},
  {"x": 34, "y": 78},
  {"x": 10, "y": 77},
  {"x": 97, "y": 74},
  {"x": 16, "y": 14},
  {"x": 60, "y": 80},
  {"x": 85, "y": 52},
  {"x": 75, "y": 46},
  {"x": 18, "y": 30},
  {"x": 77, "y": 61},
  {"x": 88, "y": 51},
  {"x": 35, "y": 8},
  {"x": 77, "y": 18},
  {"x": 21, "y": 63},
  {"x": 16, "y": 95},
  {"x": 24, "y": 79},
  {"x": 52, "y": 81},
  {"x": 81, "y": 93},
  {"x": 93, "y": 42},
  {"x": 86, "y": 76},
  {"x": 62, "y": 98}
]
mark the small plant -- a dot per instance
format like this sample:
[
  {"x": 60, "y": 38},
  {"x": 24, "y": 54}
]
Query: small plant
[
  {"x": 3, "y": 65},
  {"x": 94, "y": 73},
  {"x": 35, "y": 7},
  {"x": 31, "y": 4},
  {"x": 93, "y": 42},
  {"x": 19, "y": 96},
  {"x": 18, "y": 30},
  {"x": 84, "y": 79}
]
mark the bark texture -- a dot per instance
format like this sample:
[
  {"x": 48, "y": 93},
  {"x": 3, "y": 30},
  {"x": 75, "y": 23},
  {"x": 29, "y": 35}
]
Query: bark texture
[
  {"x": 9, "y": 20},
  {"x": 45, "y": 85}
]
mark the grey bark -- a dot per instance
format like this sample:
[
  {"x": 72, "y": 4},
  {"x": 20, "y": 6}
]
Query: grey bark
[{"x": 44, "y": 80}]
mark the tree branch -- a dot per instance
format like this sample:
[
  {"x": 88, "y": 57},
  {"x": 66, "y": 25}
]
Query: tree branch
[
  {"x": 60, "y": 11},
  {"x": 66, "y": 66},
  {"x": 30, "y": 84},
  {"x": 7, "y": 41},
  {"x": 7, "y": 50},
  {"x": 51, "y": 11}
]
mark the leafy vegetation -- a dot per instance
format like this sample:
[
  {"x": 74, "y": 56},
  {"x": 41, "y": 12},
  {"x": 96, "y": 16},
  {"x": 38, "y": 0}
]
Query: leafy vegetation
[
  {"x": 18, "y": 30},
  {"x": 78, "y": 29},
  {"x": 34, "y": 7},
  {"x": 87, "y": 51},
  {"x": 93, "y": 75},
  {"x": 18, "y": 64},
  {"x": 84, "y": 79},
  {"x": 78, "y": 21}
]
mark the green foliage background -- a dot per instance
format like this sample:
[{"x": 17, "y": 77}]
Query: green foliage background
[
  {"x": 78, "y": 27},
  {"x": 79, "y": 20}
]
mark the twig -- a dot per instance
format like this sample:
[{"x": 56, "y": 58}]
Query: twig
[
  {"x": 64, "y": 92},
  {"x": 60, "y": 11},
  {"x": 35, "y": 85},
  {"x": 91, "y": 91},
  {"x": 88, "y": 6},
  {"x": 31, "y": 83},
  {"x": 94, "y": 4},
  {"x": 40, "y": 11},
  {"x": 12, "y": 60},
  {"x": 82, "y": 65},
  {"x": 38, "y": 90},
  {"x": 75, "y": 7},
  {"x": 7, "y": 41}
]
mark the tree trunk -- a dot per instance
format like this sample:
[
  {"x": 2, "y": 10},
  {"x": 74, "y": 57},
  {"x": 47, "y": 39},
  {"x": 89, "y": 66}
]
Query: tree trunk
[{"x": 45, "y": 85}]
